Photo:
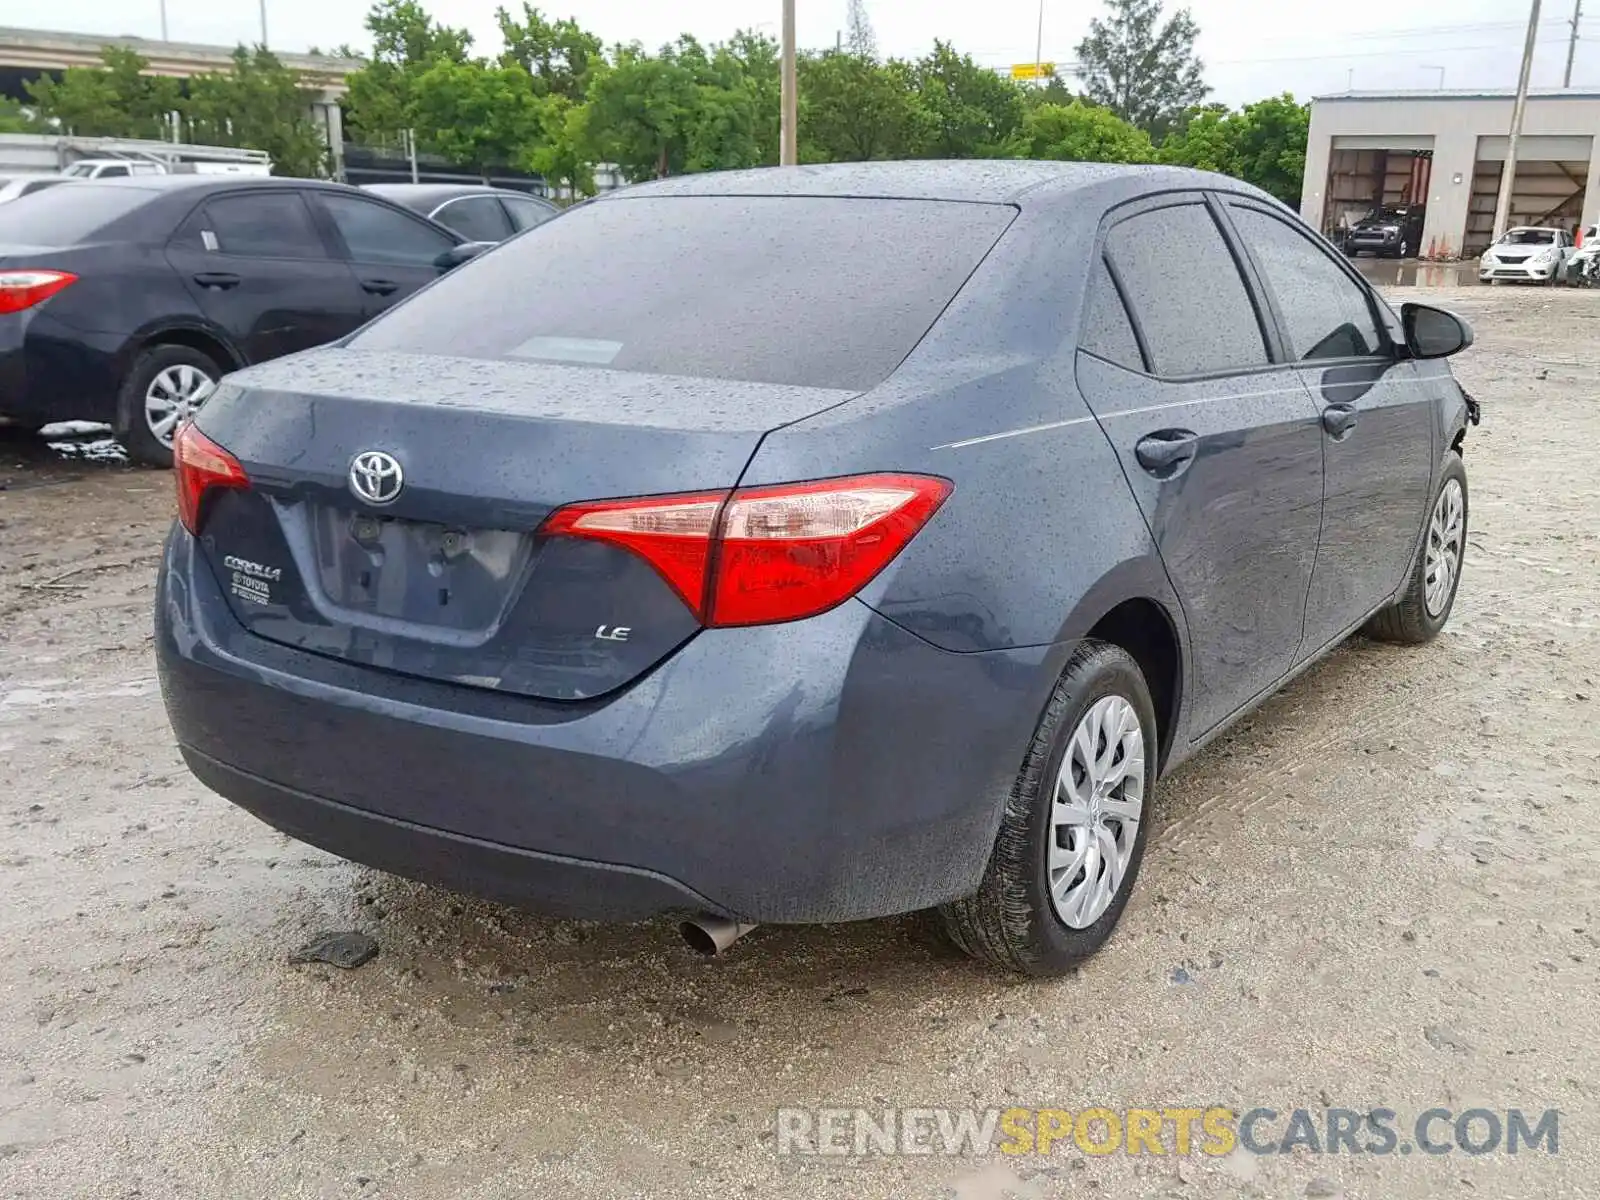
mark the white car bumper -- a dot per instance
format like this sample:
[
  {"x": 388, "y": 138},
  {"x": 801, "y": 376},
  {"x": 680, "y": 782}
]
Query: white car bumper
[{"x": 1536, "y": 271}]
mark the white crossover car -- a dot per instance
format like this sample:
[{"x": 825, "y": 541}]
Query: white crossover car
[{"x": 1526, "y": 253}]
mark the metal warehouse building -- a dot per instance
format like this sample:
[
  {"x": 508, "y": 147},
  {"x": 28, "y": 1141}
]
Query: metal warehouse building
[{"x": 1446, "y": 150}]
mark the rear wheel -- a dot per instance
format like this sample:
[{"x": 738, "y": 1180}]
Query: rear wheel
[
  {"x": 165, "y": 386},
  {"x": 1074, "y": 829},
  {"x": 1424, "y": 607}
]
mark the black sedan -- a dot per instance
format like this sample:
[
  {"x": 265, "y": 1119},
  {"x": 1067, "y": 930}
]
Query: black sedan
[
  {"x": 126, "y": 300},
  {"x": 484, "y": 214}
]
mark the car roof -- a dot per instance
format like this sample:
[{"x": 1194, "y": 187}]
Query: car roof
[
  {"x": 991, "y": 181},
  {"x": 202, "y": 183},
  {"x": 438, "y": 193}
]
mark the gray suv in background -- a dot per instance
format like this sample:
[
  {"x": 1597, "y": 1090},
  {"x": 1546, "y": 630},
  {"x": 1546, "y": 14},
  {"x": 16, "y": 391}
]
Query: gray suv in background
[{"x": 809, "y": 545}]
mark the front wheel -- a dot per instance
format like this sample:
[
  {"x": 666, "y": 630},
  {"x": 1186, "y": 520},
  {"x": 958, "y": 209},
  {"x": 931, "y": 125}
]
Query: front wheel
[
  {"x": 165, "y": 386},
  {"x": 1424, "y": 607},
  {"x": 1074, "y": 829}
]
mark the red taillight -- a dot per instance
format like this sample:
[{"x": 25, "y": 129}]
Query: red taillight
[
  {"x": 23, "y": 289},
  {"x": 200, "y": 465},
  {"x": 770, "y": 554}
]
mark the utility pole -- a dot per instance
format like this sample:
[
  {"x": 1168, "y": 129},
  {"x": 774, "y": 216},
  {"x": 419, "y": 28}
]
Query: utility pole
[
  {"x": 164, "y": 27},
  {"x": 1430, "y": 67},
  {"x": 789, "y": 151},
  {"x": 1508, "y": 172},
  {"x": 263, "y": 24},
  {"x": 1038, "y": 50},
  {"x": 1572, "y": 41}
]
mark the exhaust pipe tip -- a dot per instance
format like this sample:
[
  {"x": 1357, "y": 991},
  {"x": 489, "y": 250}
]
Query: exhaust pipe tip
[{"x": 710, "y": 935}]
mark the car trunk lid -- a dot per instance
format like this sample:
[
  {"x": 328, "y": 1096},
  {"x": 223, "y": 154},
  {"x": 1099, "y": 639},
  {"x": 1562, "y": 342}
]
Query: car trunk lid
[{"x": 448, "y": 578}]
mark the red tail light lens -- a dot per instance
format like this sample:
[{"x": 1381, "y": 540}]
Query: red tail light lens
[
  {"x": 21, "y": 290},
  {"x": 767, "y": 554},
  {"x": 199, "y": 465}
]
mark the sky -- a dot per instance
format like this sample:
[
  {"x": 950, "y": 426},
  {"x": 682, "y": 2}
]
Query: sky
[{"x": 1251, "y": 48}]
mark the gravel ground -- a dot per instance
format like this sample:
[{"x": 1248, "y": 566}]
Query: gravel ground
[{"x": 1380, "y": 890}]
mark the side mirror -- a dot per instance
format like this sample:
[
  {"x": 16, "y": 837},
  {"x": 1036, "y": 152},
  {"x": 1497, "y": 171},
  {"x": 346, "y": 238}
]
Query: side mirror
[
  {"x": 457, "y": 255},
  {"x": 1433, "y": 332}
]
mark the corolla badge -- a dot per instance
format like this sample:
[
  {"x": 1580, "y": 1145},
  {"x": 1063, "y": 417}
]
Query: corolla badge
[{"x": 376, "y": 477}]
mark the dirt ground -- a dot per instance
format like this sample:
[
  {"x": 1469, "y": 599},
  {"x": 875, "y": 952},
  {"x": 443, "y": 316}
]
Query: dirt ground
[{"x": 1383, "y": 889}]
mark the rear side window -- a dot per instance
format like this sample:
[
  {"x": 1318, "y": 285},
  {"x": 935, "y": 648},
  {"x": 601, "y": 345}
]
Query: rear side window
[
  {"x": 1107, "y": 333},
  {"x": 1186, "y": 292},
  {"x": 1325, "y": 313},
  {"x": 477, "y": 218},
  {"x": 525, "y": 214},
  {"x": 63, "y": 216},
  {"x": 814, "y": 291},
  {"x": 376, "y": 233},
  {"x": 264, "y": 225}
]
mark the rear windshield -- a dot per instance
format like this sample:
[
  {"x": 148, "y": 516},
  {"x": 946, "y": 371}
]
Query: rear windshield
[
  {"x": 808, "y": 291},
  {"x": 66, "y": 215}
]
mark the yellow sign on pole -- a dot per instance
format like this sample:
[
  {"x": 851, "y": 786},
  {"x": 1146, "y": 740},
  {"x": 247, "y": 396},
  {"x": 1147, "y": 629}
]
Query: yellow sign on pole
[{"x": 1033, "y": 70}]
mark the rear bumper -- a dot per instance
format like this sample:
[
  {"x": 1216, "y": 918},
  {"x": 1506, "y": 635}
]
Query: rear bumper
[
  {"x": 830, "y": 769},
  {"x": 50, "y": 373}
]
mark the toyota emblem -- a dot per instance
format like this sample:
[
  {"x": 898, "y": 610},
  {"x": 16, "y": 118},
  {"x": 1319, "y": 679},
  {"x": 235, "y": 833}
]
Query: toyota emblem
[{"x": 376, "y": 477}]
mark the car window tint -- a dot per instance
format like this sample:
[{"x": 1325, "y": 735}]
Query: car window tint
[
  {"x": 525, "y": 214},
  {"x": 1186, "y": 292},
  {"x": 378, "y": 234},
  {"x": 1107, "y": 333},
  {"x": 477, "y": 218},
  {"x": 263, "y": 225},
  {"x": 719, "y": 287},
  {"x": 112, "y": 172},
  {"x": 1325, "y": 313}
]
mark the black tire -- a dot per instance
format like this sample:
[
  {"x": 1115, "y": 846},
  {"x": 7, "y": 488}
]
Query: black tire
[
  {"x": 1404, "y": 251},
  {"x": 132, "y": 428},
  {"x": 1408, "y": 620},
  {"x": 1010, "y": 921}
]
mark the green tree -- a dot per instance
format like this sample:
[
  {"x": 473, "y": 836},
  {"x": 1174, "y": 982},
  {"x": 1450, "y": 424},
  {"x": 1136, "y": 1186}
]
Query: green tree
[
  {"x": 1269, "y": 148},
  {"x": 680, "y": 110},
  {"x": 853, "y": 109},
  {"x": 562, "y": 154},
  {"x": 258, "y": 103},
  {"x": 972, "y": 112},
  {"x": 756, "y": 56},
  {"x": 477, "y": 115},
  {"x": 559, "y": 55},
  {"x": 406, "y": 41},
  {"x": 115, "y": 100},
  {"x": 16, "y": 119},
  {"x": 1203, "y": 138},
  {"x": 1080, "y": 132},
  {"x": 1142, "y": 69},
  {"x": 863, "y": 42}
]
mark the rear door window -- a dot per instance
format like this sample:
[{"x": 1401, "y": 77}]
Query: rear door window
[
  {"x": 476, "y": 218},
  {"x": 816, "y": 291},
  {"x": 262, "y": 225},
  {"x": 1325, "y": 313},
  {"x": 1186, "y": 292}
]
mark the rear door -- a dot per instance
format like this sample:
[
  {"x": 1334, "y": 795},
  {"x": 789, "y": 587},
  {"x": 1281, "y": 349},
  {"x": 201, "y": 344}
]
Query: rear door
[
  {"x": 392, "y": 252},
  {"x": 1221, "y": 444},
  {"x": 1376, "y": 411},
  {"x": 258, "y": 267}
]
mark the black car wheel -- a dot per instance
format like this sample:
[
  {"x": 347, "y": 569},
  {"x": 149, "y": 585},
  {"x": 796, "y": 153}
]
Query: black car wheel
[
  {"x": 166, "y": 386},
  {"x": 1075, "y": 826},
  {"x": 1430, "y": 594}
]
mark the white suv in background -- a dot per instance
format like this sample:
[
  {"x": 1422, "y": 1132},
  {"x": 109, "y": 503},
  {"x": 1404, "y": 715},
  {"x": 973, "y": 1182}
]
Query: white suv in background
[{"x": 1528, "y": 252}]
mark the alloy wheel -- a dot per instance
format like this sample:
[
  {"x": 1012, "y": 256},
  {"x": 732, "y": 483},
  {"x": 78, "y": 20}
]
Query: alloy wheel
[
  {"x": 1445, "y": 537},
  {"x": 1094, "y": 820},
  {"x": 175, "y": 395}
]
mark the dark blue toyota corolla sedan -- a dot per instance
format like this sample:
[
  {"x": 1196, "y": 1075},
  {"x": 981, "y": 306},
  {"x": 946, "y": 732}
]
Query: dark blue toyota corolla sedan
[{"x": 809, "y": 545}]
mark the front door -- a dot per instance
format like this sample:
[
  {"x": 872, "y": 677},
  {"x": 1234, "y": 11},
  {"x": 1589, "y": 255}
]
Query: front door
[
  {"x": 257, "y": 267},
  {"x": 1377, "y": 413},
  {"x": 1223, "y": 448},
  {"x": 392, "y": 252}
]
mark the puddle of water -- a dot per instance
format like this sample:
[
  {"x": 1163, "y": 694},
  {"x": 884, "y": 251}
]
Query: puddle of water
[{"x": 1410, "y": 272}]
